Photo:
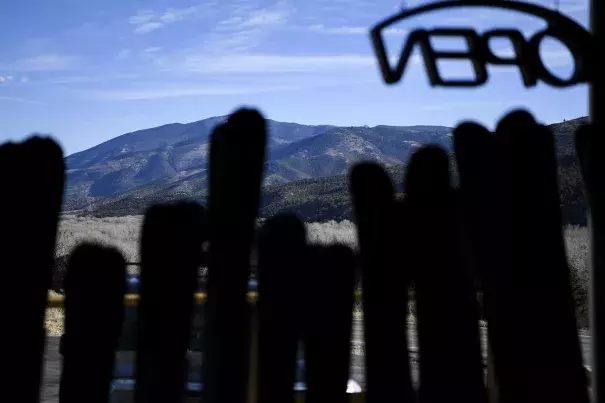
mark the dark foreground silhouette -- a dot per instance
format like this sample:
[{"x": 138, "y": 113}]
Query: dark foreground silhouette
[{"x": 497, "y": 234}]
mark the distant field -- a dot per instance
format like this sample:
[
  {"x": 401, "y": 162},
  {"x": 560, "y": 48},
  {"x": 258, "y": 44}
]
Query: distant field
[{"x": 123, "y": 233}]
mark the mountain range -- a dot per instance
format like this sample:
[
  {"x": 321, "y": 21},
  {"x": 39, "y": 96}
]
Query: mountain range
[
  {"x": 305, "y": 172},
  {"x": 170, "y": 161}
]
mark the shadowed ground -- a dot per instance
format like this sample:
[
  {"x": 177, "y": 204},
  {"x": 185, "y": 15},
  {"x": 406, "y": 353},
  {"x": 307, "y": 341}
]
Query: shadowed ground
[{"x": 52, "y": 363}]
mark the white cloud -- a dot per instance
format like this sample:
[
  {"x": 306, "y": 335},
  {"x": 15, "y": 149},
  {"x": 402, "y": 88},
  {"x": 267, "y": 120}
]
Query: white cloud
[
  {"x": 123, "y": 54},
  {"x": 5, "y": 79},
  {"x": 447, "y": 106},
  {"x": 75, "y": 80},
  {"x": 146, "y": 21},
  {"x": 248, "y": 15},
  {"x": 270, "y": 16},
  {"x": 270, "y": 63},
  {"x": 24, "y": 79},
  {"x": 339, "y": 30},
  {"x": 148, "y": 27},
  {"x": 162, "y": 93},
  {"x": 348, "y": 30},
  {"x": 142, "y": 17},
  {"x": 246, "y": 26},
  {"x": 234, "y": 20},
  {"x": 71, "y": 80},
  {"x": 161, "y": 90},
  {"x": 45, "y": 62},
  {"x": 174, "y": 14},
  {"x": 233, "y": 41},
  {"x": 20, "y": 100},
  {"x": 352, "y": 8},
  {"x": 152, "y": 49}
]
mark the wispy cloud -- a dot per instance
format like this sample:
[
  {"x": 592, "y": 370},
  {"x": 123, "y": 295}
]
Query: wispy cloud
[
  {"x": 152, "y": 49},
  {"x": 123, "y": 54},
  {"x": 162, "y": 90},
  {"x": 44, "y": 62},
  {"x": 353, "y": 8},
  {"x": 344, "y": 30},
  {"x": 273, "y": 63},
  {"x": 142, "y": 17},
  {"x": 20, "y": 100},
  {"x": 447, "y": 106},
  {"x": 85, "y": 80},
  {"x": 483, "y": 16},
  {"x": 7, "y": 79},
  {"x": 177, "y": 14},
  {"x": 67, "y": 80},
  {"x": 175, "y": 92},
  {"x": 246, "y": 26},
  {"x": 348, "y": 30},
  {"x": 269, "y": 16},
  {"x": 146, "y": 20},
  {"x": 232, "y": 42},
  {"x": 148, "y": 27}
]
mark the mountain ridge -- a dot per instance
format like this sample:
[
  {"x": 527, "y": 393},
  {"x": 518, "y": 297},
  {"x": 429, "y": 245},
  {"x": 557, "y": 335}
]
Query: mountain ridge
[
  {"x": 174, "y": 152},
  {"x": 327, "y": 198}
]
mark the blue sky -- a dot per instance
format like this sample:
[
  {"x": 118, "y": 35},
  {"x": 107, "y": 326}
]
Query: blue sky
[{"x": 87, "y": 71}]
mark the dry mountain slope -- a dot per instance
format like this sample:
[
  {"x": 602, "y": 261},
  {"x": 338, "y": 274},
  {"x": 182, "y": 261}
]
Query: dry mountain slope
[
  {"x": 175, "y": 158},
  {"x": 139, "y": 158},
  {"x": 327, "y": 198}
]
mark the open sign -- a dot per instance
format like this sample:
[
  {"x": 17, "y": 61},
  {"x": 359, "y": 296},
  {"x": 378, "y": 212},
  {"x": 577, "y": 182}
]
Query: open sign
[{"x": 526, "y": 52}]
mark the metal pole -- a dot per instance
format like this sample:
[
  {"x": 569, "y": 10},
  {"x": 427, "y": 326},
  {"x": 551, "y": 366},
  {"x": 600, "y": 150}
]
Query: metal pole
[{"x": 597, "y": 255}]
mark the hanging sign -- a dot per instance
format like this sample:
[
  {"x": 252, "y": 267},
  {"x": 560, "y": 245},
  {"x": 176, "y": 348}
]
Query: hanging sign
[{"x": 526, "y": 51}]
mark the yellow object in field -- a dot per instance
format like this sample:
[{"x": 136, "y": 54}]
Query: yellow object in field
[{"x": 56, "y": 300}]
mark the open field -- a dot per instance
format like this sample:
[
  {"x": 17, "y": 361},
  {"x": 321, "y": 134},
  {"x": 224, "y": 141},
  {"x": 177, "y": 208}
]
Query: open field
[{"x": 123, "y": 233}]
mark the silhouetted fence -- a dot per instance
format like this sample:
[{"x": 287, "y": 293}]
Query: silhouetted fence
[{"x": 439, "y": 238}]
